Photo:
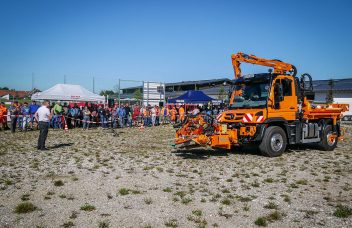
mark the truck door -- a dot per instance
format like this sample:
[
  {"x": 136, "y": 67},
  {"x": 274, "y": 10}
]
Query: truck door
[{"x": 283, "y": 95}]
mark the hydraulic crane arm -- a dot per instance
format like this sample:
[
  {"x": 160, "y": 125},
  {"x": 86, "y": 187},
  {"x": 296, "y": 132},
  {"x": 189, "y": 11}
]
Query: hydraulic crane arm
[{"x": 278, "y": 66}]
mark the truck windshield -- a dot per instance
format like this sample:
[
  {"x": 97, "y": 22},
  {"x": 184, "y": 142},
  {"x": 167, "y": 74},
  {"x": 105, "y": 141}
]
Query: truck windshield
[{"x": 251, "y": 95}]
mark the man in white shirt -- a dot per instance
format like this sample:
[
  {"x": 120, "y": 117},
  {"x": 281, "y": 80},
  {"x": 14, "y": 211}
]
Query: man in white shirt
[{"x": 43, "y": 116}]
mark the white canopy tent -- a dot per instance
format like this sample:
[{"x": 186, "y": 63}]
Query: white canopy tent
[{"x": 67, "y": 92}]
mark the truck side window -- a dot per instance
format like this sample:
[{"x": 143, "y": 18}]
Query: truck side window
[
  {"x": 277, "y": 96},
  {"x": 287, "y": 87}
]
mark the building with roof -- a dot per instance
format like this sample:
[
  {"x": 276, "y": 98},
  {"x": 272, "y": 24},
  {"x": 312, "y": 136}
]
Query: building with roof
[
  {"x": 214, "y": 88},
  {"x": 13, "y": 94},
  {"x": 219, "y": 88},
  {"x": 342, "y": 88}
]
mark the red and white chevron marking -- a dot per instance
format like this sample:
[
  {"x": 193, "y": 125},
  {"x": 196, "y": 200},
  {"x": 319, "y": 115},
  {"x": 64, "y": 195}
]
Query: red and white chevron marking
[
  {"x": 260, "y": 119},
  {"x": 218, "y": 117},
  {"x": 247, "y": 118}
]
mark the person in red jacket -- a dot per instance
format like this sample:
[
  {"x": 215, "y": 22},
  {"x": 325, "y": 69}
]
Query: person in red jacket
[{"x": 136, "y": 115}]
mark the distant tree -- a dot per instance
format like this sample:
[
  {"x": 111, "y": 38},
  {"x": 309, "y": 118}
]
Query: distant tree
[
  {"x": 5, "y": 88},
  {"x": 106, "y": 92},
  {"x": 35, "y": 90},
  {"x": 330, "y": 94},
  {"x": 137, "y": 94},
  {"x": 116, "y": 89},
  {"x": 222, "y": 93}
]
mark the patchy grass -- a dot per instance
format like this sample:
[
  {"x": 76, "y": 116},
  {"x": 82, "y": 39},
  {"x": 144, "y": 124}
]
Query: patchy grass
[
  {"x": 274, "y": 216},
  {"x": 135, "y": 192},
  {"x": 302, "y": 182},
  {"x": 124, "y": 191},
  {"x": 25, "y": 207},
  {"x": 310, "y": 213},
  {"x": 271, "y": 205},
  {"x": 186, "y": 200},
  {"x": 59, "y": 183},
  {"x": 181, "y": 194},
  {"x": 225, "y": 190},
  {"x": 25, "y": 197},
  {"x": 87, "y": 207},
  {"x": 73, "y": 215},
  {"x": 269, "y": 180},
  {"x": 167, "y": 189},
  {"x": 148, "y": 201},
  {"x": 342, "y": 211},
  {"x": 171, "y": 223},
  {"x": 104, "y": 224},
  {"x": 287, "y": 198},
  {"x": 198, "y": 219},
  {"x": 197, "y": 212},
  {"x": 261, "y": 221},
  {"x": 246, "y": 207},
  {"x": 68, "y": 224},
  {"x": 226, "y": 201},
  {"x": 200, "y": 181},
  {"x": 255, "y": 184},
  {"x": 244, "y": 198}
]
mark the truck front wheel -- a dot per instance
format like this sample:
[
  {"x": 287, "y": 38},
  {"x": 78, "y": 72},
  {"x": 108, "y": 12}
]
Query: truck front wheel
[
  {"x": 328, "y": 141},
  {"x": 274, "y": 142}
]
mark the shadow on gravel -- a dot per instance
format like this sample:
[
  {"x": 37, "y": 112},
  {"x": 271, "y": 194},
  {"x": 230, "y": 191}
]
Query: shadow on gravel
[
  {"x": 200, "y": 153},
  {"x": 60, "y": 145},
  {"x": 205, "y": 153},
  {"x": 248, "y": 149},
  {"x": 301, "y": 148}
]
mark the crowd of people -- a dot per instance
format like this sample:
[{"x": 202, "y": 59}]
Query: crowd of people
[{"x": 70, "y": 115}]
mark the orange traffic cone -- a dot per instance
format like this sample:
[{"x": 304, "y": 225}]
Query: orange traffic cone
[{"x": 66, "y": 128}]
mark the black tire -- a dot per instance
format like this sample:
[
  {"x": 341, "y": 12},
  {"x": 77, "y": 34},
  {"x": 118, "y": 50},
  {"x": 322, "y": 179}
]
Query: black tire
[
  {"x": 274, "y": 142},
  {"x": 325, "y": 143}
]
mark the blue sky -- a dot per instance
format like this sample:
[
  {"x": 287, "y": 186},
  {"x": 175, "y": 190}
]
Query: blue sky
[{"x": 167, "y": 40}]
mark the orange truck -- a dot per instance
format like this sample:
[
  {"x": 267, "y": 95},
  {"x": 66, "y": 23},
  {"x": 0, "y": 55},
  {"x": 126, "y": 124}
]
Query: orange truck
[{"x": 270, "y": 110}]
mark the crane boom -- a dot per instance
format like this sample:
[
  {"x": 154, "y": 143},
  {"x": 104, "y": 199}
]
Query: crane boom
[{"x": 278, "y": 66}]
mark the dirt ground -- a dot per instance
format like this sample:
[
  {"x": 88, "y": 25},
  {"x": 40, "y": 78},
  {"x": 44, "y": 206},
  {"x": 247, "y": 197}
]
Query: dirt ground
[{"x": 136, "y": 179}]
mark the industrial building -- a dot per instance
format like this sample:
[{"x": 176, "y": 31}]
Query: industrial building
[
  {"x": 219, "y": 88},
  {"x": 342, "y": 88}
]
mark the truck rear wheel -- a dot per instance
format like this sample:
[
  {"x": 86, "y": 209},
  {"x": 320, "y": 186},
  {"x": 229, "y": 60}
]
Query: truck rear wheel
[
  {"x": 328, "y": 142},
  {"x": 274, "y": 142}
]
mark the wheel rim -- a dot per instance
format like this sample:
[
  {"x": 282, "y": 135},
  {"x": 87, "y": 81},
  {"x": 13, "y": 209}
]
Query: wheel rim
[
  {"x": 330, "y": 139},
  {"x": 277, "y": 142}
]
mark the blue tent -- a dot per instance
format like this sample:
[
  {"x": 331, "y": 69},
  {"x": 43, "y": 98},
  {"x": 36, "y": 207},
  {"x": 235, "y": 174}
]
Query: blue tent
[{"x": 191, "y": 97}]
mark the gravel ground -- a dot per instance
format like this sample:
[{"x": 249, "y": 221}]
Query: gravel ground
[{"x": 136, "y": 179}]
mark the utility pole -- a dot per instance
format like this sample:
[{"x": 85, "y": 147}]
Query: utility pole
[
  {"x": 93, "y": 85},
  {"x": 65, "y": 79},
  {"x": 330, "y": 95},
  {"x": 119, "y": 89},
  {"x": 32, "y": 81}
]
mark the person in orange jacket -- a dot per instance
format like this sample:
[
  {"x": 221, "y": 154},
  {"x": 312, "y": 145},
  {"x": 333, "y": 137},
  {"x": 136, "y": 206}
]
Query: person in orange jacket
[
  {"x": 182, "y": 113},
  {"x": 3, "y": 115},
  {"x": 173, "y": 113}
]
